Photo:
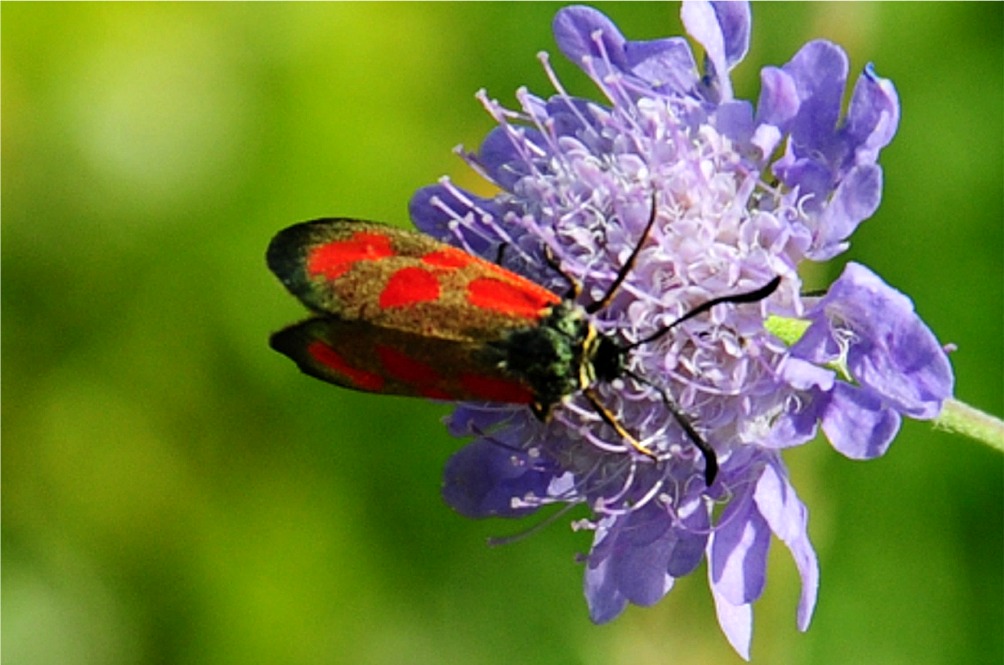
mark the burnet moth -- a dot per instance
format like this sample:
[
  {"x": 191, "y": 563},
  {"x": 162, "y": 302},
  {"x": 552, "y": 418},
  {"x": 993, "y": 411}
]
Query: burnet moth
[{"x": 398, "y": 312}]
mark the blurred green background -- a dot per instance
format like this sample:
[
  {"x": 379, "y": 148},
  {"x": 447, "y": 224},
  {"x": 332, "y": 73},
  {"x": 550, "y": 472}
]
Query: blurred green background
[{"x": 174, "y": 492}]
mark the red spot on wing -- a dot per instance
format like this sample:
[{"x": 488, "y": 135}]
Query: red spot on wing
[
  {"x": 523, "y": 298},
  {"x": 334, "y": 259},
  {"x": 409, "y": 286},
  {"x": 406, "y": 369},
  {"x": 448, "y": 257},
  {"x": 328, "y": 357},
  {"x": 495, "y": 390}
]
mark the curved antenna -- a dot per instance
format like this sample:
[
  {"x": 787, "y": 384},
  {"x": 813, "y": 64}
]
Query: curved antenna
[
  {"x": 622, "y": 274},
  {"x": 749, "y": 296},
  {"x": 710, "y": 458}
]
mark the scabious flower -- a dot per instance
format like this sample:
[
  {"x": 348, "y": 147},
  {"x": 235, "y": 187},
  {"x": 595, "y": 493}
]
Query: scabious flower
[{"x": 742, "y": 194}]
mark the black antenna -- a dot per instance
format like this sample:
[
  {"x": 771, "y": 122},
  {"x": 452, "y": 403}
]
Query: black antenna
[
  {"x": 622, "y": 274},
  {"x": 710, "y": 459},
  {"x": 750, "y": 296}
]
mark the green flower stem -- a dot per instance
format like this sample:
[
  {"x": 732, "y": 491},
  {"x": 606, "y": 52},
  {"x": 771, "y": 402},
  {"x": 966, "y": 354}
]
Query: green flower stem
[
  {"x": 961, "y": 418},
  {"x": 956, "y": 416}
]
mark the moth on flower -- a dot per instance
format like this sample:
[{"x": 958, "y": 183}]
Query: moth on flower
[
  {"x": 400, "y": 313},
  {"x": 665, "y": 200}
]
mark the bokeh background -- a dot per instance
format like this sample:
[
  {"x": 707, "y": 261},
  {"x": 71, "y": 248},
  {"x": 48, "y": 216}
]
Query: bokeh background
[{"x": 174, "y": 492}]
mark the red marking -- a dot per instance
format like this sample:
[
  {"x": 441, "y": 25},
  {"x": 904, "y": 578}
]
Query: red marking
[
  {"x": 409, "y": 286},
  {"x": 495, "y": 390},
  {"x": 359, "y": 378},
  {"x": 448, "y": 257},
  {"x": 524, "y": 298},
  {"x": 334, "y": 259},
  {"x": 406, "y": 369}
]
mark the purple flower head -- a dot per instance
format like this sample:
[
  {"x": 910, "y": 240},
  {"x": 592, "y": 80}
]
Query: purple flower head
[{"x": 741, "y": 194}]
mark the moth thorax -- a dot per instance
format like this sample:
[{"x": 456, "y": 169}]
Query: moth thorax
[{"x": 550, "y": 357}]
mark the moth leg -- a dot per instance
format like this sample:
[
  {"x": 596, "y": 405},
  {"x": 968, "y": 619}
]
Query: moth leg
[
  {"x": 574, "y": 287},
  {"x": 541, "y": 410},
  {"x": 609, "y": 419},
  {"x": 500, "y": 254}
]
